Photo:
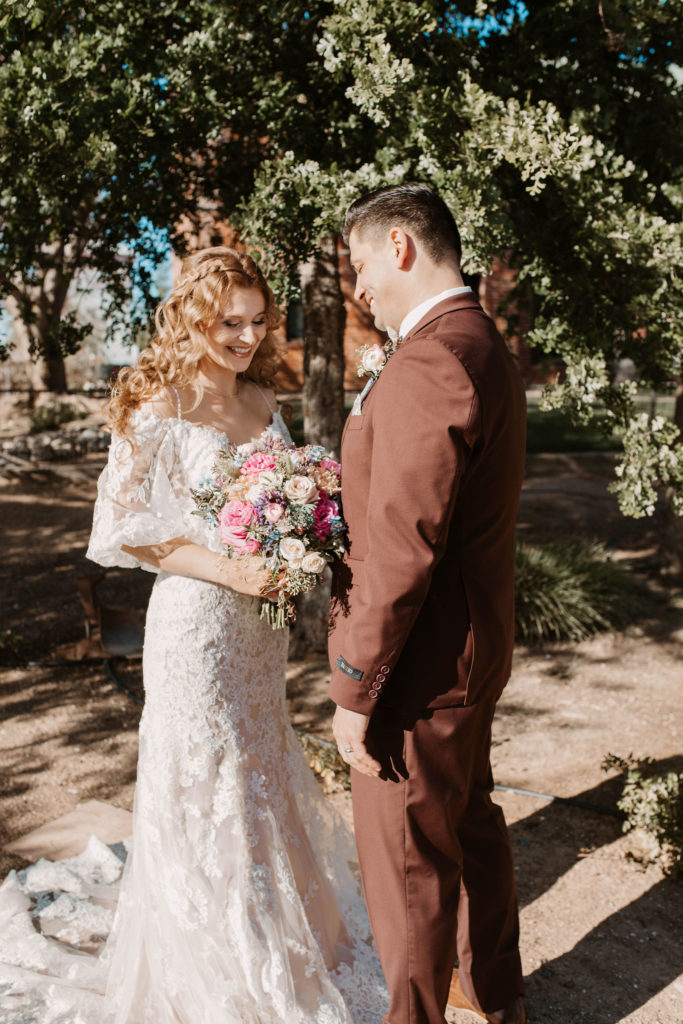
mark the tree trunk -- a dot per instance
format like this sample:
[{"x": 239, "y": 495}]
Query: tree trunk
[
  {"x": 323, "y": 401},
  {"x": 671, "y": 549},
  {"x": 45, "y": 372},
  {"x": 48, "y": 374},
  {"x": 49, "y": 361},
  {"x": 324, "y": 320}
]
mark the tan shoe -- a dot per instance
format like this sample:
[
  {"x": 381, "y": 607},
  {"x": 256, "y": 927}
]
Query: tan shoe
[{"x": 514, "y": 1013}]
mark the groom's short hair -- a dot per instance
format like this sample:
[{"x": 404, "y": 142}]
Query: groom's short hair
[{"x": 412, "y": 206}]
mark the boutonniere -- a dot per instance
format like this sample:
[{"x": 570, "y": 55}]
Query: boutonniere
[{"x": 373, "y": 358}]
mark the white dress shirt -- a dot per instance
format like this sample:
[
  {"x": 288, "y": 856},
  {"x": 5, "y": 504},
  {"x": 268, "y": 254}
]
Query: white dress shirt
[{"x": 411, "y": 319}]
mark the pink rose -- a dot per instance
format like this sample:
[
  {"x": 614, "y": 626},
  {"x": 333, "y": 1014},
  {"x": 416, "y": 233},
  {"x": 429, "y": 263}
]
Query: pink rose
[
  {"x": 236, "y": 513},
  {"x": 261, "y": 462},
  {"x": 334, "y": 467},
  {"x": 234, "y": 537},
  {"x": 273, "y": 513},
  {"x": 234, "y": 518},
  {"x": 325, "y": 510}
]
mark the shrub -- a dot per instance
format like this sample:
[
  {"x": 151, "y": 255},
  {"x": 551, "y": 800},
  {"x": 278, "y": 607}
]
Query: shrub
[
  {"x": 49, "y": 417},
  {"x": 571, "y": 590},
  {"x": 10, "y": 644},
  {"x": 652, "y": 800}
]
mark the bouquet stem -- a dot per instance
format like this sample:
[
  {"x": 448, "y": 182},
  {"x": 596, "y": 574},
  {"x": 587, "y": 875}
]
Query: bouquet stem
[{"x": 278, "y": 614}]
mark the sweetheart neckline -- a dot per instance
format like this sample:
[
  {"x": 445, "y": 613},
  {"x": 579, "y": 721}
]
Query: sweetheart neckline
[{"x": 213, "y": 430}]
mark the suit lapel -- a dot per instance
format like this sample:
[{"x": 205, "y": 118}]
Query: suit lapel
[
  {"x": 451, "y": 305},
  {"x": 360, "y": 398}
]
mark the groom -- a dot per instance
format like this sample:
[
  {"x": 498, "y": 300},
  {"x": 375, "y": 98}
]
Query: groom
[{"x": 422, "y": 615}]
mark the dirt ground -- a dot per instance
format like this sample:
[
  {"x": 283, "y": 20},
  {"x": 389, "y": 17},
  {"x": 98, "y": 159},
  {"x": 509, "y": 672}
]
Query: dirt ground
[{"x": 601, "y": 930}]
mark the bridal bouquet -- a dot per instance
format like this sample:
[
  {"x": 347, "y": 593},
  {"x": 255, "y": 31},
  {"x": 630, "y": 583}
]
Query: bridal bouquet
[{"x": 274, "y": 500}]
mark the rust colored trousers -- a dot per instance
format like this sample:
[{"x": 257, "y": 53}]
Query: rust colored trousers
[{"x": 436, "y": 863}]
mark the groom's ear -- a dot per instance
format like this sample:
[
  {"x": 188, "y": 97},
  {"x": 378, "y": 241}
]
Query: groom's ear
[{"x": 402, "y": 248}]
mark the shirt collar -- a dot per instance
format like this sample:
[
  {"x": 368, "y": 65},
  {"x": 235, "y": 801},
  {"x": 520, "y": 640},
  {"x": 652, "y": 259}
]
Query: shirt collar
[{"x": 413, "y": 318}]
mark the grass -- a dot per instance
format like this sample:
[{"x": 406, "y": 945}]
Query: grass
[
  {"x": 555, "y": 432},
  {"x": 10, "y": 645}
]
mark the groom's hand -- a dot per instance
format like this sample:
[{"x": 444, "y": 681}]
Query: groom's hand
[{"x": 349, "y": 728}]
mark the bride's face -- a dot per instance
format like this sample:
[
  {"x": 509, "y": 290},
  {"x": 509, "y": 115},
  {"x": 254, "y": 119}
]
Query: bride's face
[{"x": 237, "y": 331}]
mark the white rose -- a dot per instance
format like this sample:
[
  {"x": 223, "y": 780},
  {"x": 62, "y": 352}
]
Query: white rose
[
  {"x": 373, "y": 359},
  {"x": 255, "y": 493},
  {"x": 292, "y": 550},
  {"x": 270, "y": 479},
  {"x": 300, "y": 490},
  {"x": 313, "y": 562}
]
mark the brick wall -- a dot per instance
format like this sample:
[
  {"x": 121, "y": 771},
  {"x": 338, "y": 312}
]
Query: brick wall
[{"x": 360, "y": 330}]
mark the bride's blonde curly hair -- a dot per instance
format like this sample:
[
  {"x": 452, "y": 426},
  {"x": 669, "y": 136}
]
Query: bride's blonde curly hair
[{"x": 207, "y": 277}]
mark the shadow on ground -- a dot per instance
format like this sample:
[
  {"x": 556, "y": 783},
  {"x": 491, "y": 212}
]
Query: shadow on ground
[
  {"x": 618, "y": 966},
  {"x": 633, "y": 953},
  {"x": 67, "y": 736}
]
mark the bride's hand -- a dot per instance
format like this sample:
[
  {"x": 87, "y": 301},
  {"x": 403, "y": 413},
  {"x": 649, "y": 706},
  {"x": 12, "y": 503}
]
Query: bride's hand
[{"x": 247, "y": 576}]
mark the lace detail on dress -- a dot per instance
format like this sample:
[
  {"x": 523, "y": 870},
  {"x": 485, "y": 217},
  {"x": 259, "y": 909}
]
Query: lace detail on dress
[
  {"x": 143, "y": 495},
  {"x": 238, "y": 903}
]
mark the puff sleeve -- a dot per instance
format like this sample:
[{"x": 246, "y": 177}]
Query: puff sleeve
[{"x": 136, "y": 504}]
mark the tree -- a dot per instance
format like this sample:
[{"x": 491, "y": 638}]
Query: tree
[
  {"x": 294, "y": 107},
  {"x": 615, "y": 71},
  {"x": 122, "y": 124},
  {"x": 551, "y": 129},
  {"x": 96, "y": 148},
  {"x": 556, "y": 139}
]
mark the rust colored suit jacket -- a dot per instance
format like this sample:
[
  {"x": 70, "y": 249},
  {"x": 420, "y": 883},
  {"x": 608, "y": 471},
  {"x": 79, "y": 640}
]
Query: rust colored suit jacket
[{"x": 422, "y": 612}]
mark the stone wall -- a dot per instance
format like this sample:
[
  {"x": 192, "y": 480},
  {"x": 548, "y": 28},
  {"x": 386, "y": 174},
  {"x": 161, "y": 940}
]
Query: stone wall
[{"x": 64, "y": 444}]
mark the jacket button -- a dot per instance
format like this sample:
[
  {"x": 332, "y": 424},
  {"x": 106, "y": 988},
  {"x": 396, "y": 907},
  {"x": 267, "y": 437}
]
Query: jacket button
[
  {"x": 385, "y": 668},
  {"x": 381, "y": 677},
  {"x": 376, "y": 686},
  {"x": 373, "y": 694}
]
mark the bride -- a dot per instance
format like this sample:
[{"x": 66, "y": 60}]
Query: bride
[{"x": 237, "y": 904}]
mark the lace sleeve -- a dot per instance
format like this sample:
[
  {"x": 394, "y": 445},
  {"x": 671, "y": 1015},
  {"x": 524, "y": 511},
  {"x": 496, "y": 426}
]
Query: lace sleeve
[{"x": 136, "y": 504}]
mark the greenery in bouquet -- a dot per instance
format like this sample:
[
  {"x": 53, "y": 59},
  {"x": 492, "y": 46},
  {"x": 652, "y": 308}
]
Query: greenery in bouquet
[{"x": 281, "y": 502}]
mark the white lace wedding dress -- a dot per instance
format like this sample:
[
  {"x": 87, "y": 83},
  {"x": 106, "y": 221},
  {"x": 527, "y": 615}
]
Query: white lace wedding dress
[{"x": 238, "y": 903}]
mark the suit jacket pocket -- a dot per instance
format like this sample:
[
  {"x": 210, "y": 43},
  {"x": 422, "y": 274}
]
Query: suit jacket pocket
[{"x": 458, "y": 695}]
